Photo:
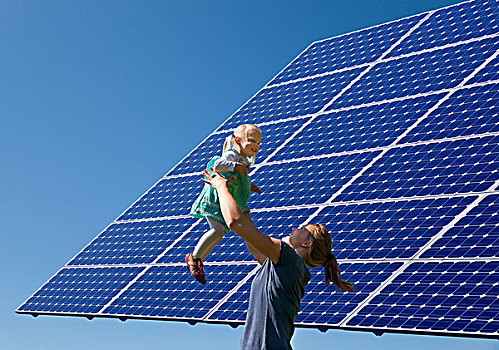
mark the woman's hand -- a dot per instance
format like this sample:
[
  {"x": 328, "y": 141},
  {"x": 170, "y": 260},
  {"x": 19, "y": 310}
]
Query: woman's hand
[
  {"x": 216, "y": 180},
  {"x": 254, "y": 188}
]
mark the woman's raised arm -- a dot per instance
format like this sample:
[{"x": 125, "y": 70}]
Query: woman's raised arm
[{"x": 238, "y": 222}]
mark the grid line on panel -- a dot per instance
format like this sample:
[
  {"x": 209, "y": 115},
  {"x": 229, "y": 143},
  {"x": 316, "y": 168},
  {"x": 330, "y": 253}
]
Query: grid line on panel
[
  {"x": 397, "y": 20},
  {"x": 380, "y": 59},
  {"x": 383, "y": 58},
  {"x": 271, "y": 122},
  {"x": 149, "y": 266},
  {"x": 231, "y": 292},
  {"x": 419, "y": 73},
  {"x": 411, "y": 260},
  {"x": 420, "y": 252},
  {"x": 407, "y": 131},
  {"x": 340, "y": 93},
  {"x": 341, "y": 70},
  {"x": 347, "y": 202},
  {"x": 165, "y": 264},
  {"x": 243, "y": 262},
  {"x": 472, "y": 20},
  {"x": 383, "y": 148},
  {"x": 330, "y": 155},
  {"x": 438, "y": 48},
  {"x": 366, "y": 104},
  {"x": 127, "y": 221},
  {"x": 40, "y": 288}
]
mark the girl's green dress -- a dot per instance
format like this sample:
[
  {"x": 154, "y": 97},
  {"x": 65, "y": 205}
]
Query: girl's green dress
[{"x": 207, "y": 204}]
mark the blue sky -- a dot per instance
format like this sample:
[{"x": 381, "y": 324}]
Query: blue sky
[{"x": 98, "y": 99}]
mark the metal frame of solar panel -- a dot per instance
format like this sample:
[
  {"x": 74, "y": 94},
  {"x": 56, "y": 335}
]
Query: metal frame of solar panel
[{"x": 390, "y": 137}]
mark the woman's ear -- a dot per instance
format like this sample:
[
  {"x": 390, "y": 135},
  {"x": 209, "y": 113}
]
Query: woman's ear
[{"x": 237, "y": 139}]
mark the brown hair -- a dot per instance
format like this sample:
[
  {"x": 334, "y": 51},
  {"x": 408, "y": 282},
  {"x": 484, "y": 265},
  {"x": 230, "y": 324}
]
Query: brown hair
[{"x": 320, "y": 254}]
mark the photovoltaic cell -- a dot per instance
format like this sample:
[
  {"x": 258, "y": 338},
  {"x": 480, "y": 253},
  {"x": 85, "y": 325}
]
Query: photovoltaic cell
[
  {"x": 469, "y": 111},
  {"x": 356, "y": 129},
  {"x": 309, "y": 181},
  {"x": 452, "y": 25},
  {"x": 346, "y": 50},
  {"x": 451, "y": 167},
  {"x": 489, "y": 73},
  {"x": 441, "y": 296},
  {"x": 291, "y": 100},
  {"x": 387, "y": 230},
  {"x": 80, "y": 290},
  {"x": 169, "y": 197},
  {"x": 476, "y": 235},
  {"x": 132, "y": 242},
  {"x": 419, "y": 73},
  {"x": 170, "y": 292},
  {"x": 319, "y": 307},
  {"x": 389, "y": 137}
]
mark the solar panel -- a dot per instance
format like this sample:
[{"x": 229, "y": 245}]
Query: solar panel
[{"x": 389, "y": 136}]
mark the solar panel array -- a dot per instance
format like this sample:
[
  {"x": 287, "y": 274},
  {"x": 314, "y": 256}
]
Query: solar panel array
[{"x": 389, "y": 136}]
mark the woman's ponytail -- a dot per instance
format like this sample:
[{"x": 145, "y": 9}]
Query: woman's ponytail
[
  {"x": 332, "y": 273},
  {"x": 320, "y": 255}
]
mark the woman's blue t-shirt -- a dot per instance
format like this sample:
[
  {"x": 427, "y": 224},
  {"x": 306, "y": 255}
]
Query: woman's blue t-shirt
[{"x": 275, "y": 297}]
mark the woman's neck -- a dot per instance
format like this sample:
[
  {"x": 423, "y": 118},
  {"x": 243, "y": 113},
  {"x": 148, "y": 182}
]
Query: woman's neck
[{"x": 299, "y": 250}]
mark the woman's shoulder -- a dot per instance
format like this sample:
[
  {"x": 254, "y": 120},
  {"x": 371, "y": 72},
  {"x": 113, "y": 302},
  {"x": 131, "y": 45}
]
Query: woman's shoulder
[
  {"x": 288, "y": 255},
  {"x": 290, "y": 260}
]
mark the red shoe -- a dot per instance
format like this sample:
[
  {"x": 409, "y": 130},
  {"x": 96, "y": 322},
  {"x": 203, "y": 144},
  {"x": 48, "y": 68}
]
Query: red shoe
[{"x": 195, "y": 267}]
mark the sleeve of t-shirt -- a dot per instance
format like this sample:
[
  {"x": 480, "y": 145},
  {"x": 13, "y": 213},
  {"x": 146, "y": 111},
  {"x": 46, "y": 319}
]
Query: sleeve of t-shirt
[
  {"x": 226, "y": 162},
  {"x": 288, "y": 256},
  {"x": 290, "y": 268}
]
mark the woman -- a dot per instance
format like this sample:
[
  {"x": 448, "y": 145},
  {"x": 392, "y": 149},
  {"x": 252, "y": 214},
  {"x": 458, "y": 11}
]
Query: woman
[{"x": 279, "y": 286}]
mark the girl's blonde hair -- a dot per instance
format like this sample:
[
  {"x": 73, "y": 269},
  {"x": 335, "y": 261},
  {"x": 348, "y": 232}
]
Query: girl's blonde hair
[
  {"x": 320, "y": 254},
  {"x": 240, "y": 132}
]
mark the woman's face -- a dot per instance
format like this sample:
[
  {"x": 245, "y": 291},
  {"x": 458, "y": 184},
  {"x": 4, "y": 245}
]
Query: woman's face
[{"x": 300, "y": 235}]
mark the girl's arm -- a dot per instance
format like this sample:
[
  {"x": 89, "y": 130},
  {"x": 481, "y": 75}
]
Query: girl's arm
[
  {"x": 237, "y": 222},
  {"x": 225, "y": 163},
  {"x": 228, "y": 162}
]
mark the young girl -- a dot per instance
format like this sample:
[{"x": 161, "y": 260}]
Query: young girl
[{"x": 238, "y": 154}]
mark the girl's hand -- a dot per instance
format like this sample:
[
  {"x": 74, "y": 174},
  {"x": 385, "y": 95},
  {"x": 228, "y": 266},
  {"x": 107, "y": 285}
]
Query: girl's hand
[
  {"x": 254, "y": 188},
  {"x": 240, "y": 167}
]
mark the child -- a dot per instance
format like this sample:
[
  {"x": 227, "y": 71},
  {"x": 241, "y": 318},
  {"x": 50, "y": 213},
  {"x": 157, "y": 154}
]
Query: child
[{"x": 238, "y": 153}]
